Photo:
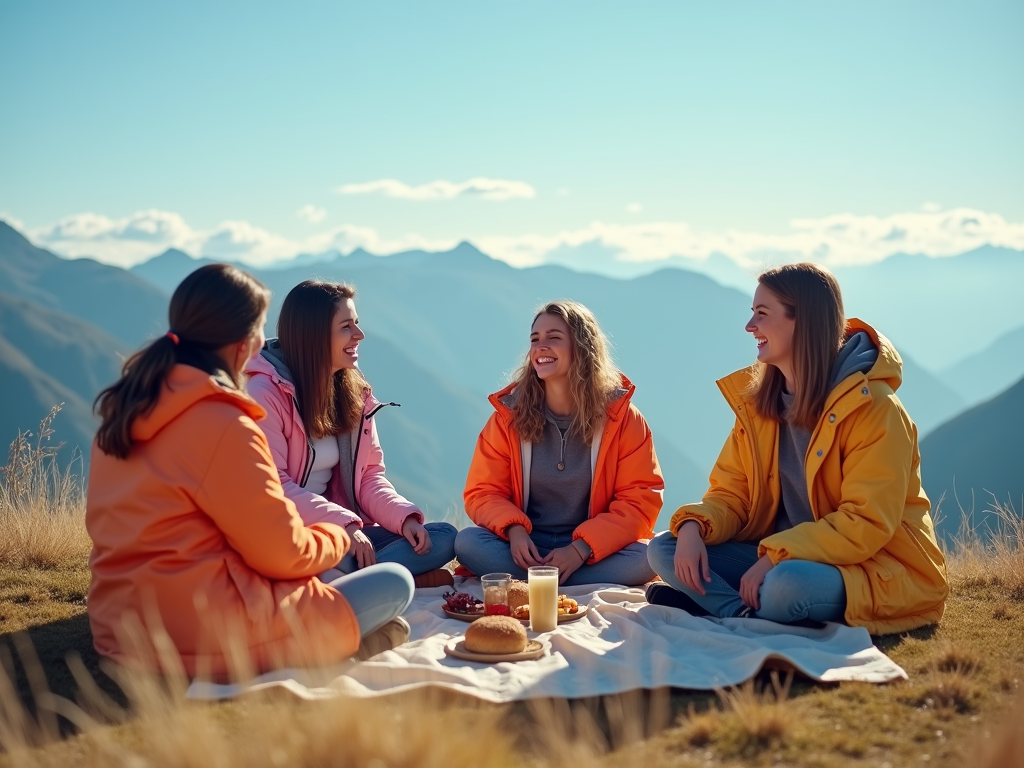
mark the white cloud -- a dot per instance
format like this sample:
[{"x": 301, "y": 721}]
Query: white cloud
[
  {"x": 634, "y": 208},
  {"x": 311, "y": 213},
  {"x": 485, "y": 189},
  {"x": 123, "y": 241},
  {"x": 12, "y": 221},
  {"x": 834, "y": 240}
]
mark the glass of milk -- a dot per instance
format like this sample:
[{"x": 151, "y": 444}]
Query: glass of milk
[{"x": 543, "y": 583}]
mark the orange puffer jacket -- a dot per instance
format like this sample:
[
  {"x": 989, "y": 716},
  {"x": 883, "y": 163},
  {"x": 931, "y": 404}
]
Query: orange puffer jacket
[
  {"x": 625, "y": 493},
  {"x": 193, "y": 530}
]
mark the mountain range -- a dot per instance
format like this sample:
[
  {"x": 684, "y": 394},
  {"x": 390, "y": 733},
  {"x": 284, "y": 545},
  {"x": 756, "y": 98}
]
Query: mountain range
[
  {"x": 976, "y": 459},
  {"x": 444, "y": 330}
]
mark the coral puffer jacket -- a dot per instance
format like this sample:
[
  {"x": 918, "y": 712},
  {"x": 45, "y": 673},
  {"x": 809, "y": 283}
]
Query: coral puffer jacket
[
  {"x": 864, "y": 484},
  {"x": 625, "y": 493},
  {"x": 194, "y": 531}
]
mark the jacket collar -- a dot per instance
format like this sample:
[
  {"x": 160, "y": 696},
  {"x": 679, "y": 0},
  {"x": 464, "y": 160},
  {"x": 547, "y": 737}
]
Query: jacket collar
[{"x": 887, "y": 368}]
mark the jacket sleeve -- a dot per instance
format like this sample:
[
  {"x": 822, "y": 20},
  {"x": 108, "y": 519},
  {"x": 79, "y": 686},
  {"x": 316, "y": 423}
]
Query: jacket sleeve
[
  {"x": 637, "y": 497},
  {"x": 725, "y": 508},
  {"x": 312, "y": 507},
  {"x": 489, "y": 490},
  {"x": 876, "y": 466},
  {"x": 377, "y": 496},
  {"x": 241, "y": 493}
]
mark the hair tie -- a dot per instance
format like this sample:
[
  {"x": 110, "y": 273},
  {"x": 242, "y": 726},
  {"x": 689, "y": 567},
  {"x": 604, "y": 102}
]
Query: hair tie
[{"x": 173, "y": 337}]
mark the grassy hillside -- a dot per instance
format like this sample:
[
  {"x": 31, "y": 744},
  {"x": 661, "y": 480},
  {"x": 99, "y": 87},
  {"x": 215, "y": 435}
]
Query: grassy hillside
[
  {"x": 976, "y": 455},
  {"x": 965, "y": 683}
]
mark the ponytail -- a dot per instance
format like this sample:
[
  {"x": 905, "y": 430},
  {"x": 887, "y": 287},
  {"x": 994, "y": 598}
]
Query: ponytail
[{"x": 215, "y": 306}]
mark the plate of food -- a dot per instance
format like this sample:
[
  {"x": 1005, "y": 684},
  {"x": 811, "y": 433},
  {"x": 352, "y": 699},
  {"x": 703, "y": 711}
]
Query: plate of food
[
  {"x": 462, "y": 606},
  {"x": 568, "y": 610},
  {"x": 493, "y": 639}
]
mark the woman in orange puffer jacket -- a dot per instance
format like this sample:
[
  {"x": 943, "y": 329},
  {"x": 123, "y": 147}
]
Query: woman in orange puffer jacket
[
  {"x": 564, "y": 472},
  {"x": 191, "y": 529}
]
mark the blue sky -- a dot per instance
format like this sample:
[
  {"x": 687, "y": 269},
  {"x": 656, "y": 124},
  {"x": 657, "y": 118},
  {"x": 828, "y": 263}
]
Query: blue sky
[{"x": 641, "y": 130}]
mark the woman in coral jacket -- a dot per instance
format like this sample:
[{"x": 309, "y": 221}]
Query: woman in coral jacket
[
  {"x": 191, "y": 529},
  {"x": 323, "y": 436},
  {"x": 564, "y": 472},
  {"x": 815, "y": 510}
]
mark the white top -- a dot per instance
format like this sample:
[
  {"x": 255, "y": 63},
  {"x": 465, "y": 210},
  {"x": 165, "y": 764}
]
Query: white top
[{"x": 326, "y": 459}]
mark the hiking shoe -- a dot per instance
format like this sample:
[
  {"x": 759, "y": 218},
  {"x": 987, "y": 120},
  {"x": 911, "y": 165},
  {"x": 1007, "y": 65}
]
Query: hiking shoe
[
  {"x": 439, "y": 577},
  {"x": 384, "y": 638},
  {"x": 660, "y": 593}
]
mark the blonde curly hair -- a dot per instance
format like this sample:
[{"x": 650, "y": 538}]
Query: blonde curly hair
[{"x": 593, "y": 377}]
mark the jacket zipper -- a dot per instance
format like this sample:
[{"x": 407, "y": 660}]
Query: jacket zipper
[
  {"x": 310, "y": 454},
  {"x": 355, "y": 458}
]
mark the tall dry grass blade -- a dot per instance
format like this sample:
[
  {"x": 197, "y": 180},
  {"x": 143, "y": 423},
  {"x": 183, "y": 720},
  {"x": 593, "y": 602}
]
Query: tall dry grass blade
[
  {"x": 42, "y": 506},
  {"x": 91, "y": 698},
  {"x": 36, "y": 677},
  {"x": 16, "y": 727}
]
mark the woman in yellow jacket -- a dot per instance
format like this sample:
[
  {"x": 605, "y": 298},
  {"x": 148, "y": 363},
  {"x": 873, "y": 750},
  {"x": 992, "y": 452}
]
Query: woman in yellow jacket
[{"x": 815, "y": 509}]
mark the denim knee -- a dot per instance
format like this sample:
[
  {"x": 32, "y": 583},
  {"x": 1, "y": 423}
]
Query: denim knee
[
  {"x": 442, "y": 536},
  {"x": 782, "y": 594},
  {"x": 661, "y": 552},
  {"x": 394, "y": 581},
  {"x": 469, "y": 540}
]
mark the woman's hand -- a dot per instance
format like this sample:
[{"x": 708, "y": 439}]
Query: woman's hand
[
  {"x": 362, "y": 549},
  {"x": 691, "y": 559},
  {"x": 416, "y": 535},
  {"x": 566, "y": 559},
  {"x": 524, "y": 551},
  {"x": 750, "y": 584}
]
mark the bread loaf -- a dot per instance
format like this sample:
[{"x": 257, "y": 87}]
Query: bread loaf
[
  {"x": 495, "y": 634},
  {"x": 518, "y": 594}
]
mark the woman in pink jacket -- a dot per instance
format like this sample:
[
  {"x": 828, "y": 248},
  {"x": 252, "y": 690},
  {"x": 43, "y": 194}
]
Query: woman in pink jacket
[{"x": 321, "y": 430}]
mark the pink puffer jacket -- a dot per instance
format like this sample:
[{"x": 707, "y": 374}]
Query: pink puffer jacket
[{"x": 377, "y": 498}]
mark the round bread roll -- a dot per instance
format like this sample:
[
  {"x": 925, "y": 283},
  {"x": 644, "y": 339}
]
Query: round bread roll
[
  {"x": 495, "y": 634},
  {"x": 518, "y": 594}
]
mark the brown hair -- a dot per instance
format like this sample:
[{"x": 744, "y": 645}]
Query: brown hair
[
  {"x": 812, "y": 298},
  {"x": 330, "y": 403},
  {"x": 593, "y": 376},
  {"x": 215, "y": 306}
]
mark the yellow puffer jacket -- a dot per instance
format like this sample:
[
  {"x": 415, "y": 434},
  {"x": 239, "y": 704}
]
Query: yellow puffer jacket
[{"x": 864, "y": 484}]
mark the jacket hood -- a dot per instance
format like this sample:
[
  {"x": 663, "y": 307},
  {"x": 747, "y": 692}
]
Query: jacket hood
[
  {"x": 888, "y": 366},
  {"x": 184, "y": 387},
  {"x": 504, "y": 399},
  {"x": 270, "y": 362}
]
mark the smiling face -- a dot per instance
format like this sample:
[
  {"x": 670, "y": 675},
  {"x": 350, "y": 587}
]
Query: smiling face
[
  {"x": 773, "y": 331},
  {"x": 345, "y": 336},
  {"x": 550, "y": 347}
]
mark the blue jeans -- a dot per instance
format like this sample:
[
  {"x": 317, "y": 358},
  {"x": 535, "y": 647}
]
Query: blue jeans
[
  {"x": 394, "y": 548},
  {"x": 377, "y": 594},
  {"x": 484, "y": 552},
  {"x": 792, "y": 591}
]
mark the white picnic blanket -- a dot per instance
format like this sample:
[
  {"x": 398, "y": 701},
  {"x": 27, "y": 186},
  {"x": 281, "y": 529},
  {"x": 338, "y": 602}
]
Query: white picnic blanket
[{"x": 622, "y": 644}]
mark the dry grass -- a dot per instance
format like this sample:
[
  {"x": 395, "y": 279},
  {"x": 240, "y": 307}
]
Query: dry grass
[
  {"x": 41, "y": 505},
  {"x": 965, "y": 680}
]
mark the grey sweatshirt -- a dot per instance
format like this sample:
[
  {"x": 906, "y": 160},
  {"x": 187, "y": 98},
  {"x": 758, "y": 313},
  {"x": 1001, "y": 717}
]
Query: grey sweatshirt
[{"x": 858, "y": 355}]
